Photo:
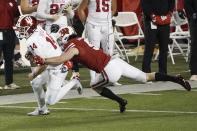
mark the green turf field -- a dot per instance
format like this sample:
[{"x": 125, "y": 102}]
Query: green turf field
[
  {"x": 157, "y": 111},
  {"x": 20, "y": 75},
  {"x": 174, "y": 110}
]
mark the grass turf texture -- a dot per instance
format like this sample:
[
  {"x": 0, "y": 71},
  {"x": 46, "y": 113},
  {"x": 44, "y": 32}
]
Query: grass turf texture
[
  {"x": 70, "y": 116},
  {"x": 20, "y": 76}
]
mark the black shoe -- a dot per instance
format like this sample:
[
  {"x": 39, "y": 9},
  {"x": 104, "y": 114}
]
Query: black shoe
[
  {"x": 122, "y": 106},
  {"x": 183, "y": 82}
]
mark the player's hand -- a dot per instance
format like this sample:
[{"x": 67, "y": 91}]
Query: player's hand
[
  {"x": 38, "y": 60},
  {"x": 68, "y": 65},
  {"x": 161, "y": 20}
]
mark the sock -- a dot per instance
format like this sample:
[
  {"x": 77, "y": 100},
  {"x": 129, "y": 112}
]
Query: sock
[
  {"x": 109, "y": 94},
  {"x": 164, "y": 77}
]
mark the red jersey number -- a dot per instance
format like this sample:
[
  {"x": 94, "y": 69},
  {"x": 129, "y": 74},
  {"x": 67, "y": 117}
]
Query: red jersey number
[
  {"x": 102, "y": 5},
  {"x": 51, "y": 41},
  {"x": 54, "y": 8}
]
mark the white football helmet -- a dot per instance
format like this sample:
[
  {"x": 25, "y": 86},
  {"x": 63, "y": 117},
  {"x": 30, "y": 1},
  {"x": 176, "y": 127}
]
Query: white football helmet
[
  {"x": 65, "y": 33},
  {"x": 26, "y": 25}
]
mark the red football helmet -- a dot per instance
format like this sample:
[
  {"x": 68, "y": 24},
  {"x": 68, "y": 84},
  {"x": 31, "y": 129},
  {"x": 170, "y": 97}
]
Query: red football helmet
[{"x": 26, "y": 25}]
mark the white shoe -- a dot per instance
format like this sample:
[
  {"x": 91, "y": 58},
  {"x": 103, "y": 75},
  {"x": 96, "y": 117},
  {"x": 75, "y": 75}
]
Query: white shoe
[
  {"x": 1, "y": 88},
  {"x": 11, "y": 86},
  {"x": 193, "y": 78},
  {"x": 38, "y": 112}
]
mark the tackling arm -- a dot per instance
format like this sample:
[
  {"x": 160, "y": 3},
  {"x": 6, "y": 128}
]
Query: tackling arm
[{"x": 62, "y": 58}]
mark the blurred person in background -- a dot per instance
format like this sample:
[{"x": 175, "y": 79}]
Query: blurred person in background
[
  {"x": 191, "y": 10},
  {"x": 98, "y": 25},
  {"x": 9, "y": 12},
  {"x": 157, "y": 19}
]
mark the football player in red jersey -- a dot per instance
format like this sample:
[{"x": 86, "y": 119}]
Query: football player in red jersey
[{"x": 110, "y": 69}]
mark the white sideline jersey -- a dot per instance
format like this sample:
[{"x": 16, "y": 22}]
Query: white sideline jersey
[
  {"x": 99, "y": 11},
  {"x": 42, "y": 44},
  {"x": 47, "y": 8}
]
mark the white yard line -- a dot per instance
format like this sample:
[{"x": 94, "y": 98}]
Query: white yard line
[
  {"x": 148, "y": 94},
  {"x": 109, "y": 110}
]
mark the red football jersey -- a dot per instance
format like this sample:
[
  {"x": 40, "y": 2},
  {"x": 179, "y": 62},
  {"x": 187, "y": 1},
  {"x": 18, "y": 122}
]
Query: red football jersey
[{"x": 93, "y": 58}]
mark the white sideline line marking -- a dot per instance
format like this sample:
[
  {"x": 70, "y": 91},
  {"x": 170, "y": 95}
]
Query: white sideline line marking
[
  {"x": 148, "y": 94},
  {"x": 109, "y": 110}
]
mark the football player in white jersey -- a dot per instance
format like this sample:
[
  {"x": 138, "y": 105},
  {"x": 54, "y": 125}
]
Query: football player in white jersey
[
  {"x": 55, "y": 12},
  {"x": 41, "y": 43},
  {"x": 98, "y": 24}
]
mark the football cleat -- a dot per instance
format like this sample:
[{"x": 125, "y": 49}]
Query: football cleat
[
  {"x": 183, "y": 82},
  {"x": 122, "y": 106},
  {"x": 38, "y": 112},
  {"x": 11, "y": 86}
]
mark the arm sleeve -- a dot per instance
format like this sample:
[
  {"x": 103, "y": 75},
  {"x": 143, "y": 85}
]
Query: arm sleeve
[
  {"x": 146, "y": 7},
  {"x": 41, "y": 10},
  {"x": 189, "y": 8}
]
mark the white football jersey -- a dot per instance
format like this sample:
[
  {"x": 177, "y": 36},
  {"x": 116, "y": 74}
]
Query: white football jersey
[
  {"x": 99, "y": 11},
  {"x": 42, "y": 44}
]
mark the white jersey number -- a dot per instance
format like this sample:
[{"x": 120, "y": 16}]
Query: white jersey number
[{"x": 102, "y": 5}]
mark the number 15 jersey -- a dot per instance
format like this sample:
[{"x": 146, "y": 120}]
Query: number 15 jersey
[{"x": 99, "y": 11}]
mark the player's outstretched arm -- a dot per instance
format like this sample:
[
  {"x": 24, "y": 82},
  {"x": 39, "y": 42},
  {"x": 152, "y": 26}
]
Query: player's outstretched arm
[{"x": 62, "y": 58}]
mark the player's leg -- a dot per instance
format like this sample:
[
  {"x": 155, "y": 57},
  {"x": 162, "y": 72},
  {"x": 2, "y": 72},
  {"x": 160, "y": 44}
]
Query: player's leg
[
  {"x": 37, "y": 86},
  {"x": 99, "y": 86},
  {"x": 122, "y": 68},
  {"x": 136, "y": 74},
  {"x": 94, "y": 37},
  {"x": 164, "y": 77},
  {"x": 65, "y": 88},
  {"x": 56, "y": 79},
  {"x": 107, "y": 39}
]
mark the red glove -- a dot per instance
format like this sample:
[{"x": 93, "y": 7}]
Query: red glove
[
  {"x": 38, "y": 60},
  {"x": 68, "y": 65},
  {"x": 161, "y": 20}
]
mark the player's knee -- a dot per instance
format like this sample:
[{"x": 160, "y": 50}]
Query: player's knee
[
  {"x": 36, "y": 85},
  {"x": 98, "y": 89},
  {"x": 142, "y": 77}
]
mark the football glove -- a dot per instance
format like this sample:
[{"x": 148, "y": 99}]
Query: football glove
[{"x": 38, "y": 60}]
